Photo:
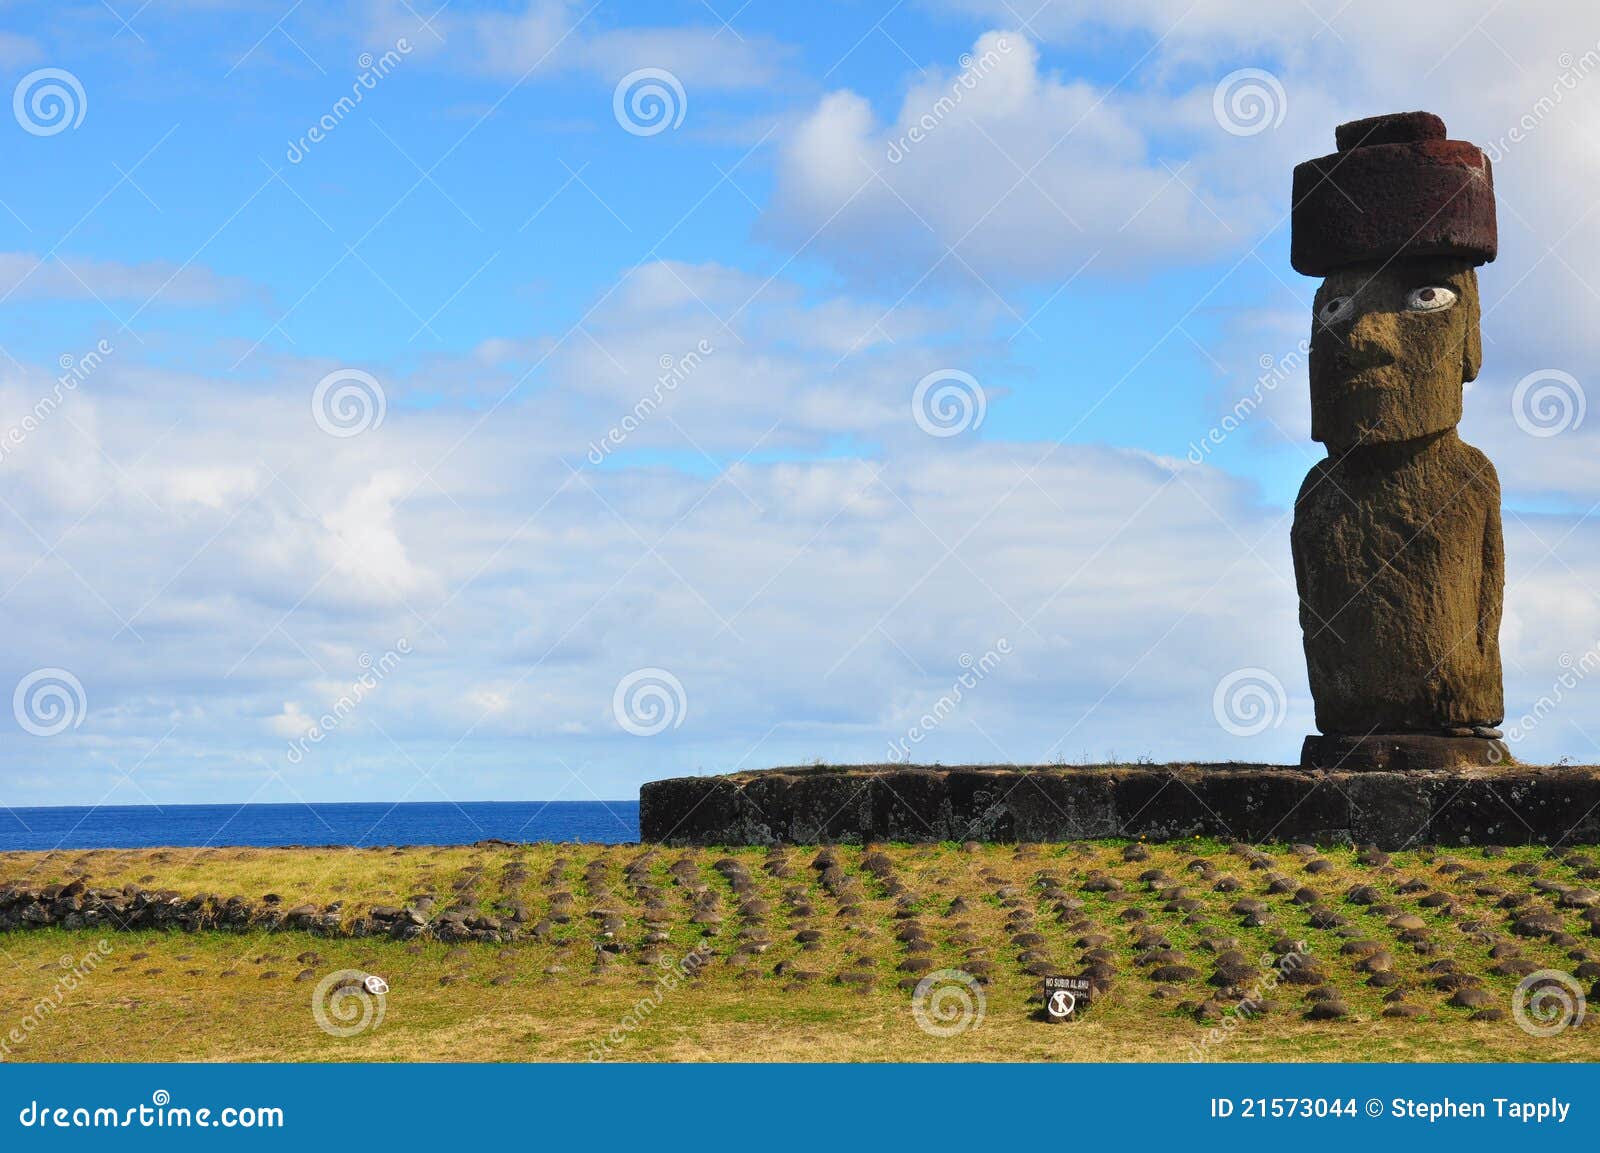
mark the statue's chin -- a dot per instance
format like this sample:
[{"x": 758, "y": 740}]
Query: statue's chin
[{"x": 1378, "y": 414}]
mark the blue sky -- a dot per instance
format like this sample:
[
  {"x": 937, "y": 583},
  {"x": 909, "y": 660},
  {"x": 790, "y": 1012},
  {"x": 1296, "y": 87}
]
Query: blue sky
[
  {"x": 1091, "y": 234},
  {"x": 436, "y": 179}
]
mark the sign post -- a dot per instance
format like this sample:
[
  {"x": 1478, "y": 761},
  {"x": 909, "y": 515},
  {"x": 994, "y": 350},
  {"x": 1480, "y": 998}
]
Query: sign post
[{"x": 1065, "y": 998}]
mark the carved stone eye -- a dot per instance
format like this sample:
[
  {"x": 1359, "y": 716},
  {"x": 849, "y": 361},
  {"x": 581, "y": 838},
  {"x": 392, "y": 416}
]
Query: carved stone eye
[
  {"x": 1335, "y": 310},
  {"x": 1429, "y": 299}
]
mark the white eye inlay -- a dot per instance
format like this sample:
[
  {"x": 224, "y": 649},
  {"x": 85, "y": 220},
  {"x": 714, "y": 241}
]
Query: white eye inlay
[
  {"x": 1429, "y": 299},
  {"x": 1336, "y": 309}
]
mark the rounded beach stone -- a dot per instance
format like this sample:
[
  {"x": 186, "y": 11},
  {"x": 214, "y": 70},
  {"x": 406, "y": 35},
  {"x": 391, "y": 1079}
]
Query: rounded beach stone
[
  {"x": 1227, "y": 976},
  {"x": 1515, "y": 967},
  {"x": 1537, "y": 925},
  {"x": 1471, "y": 997},
  {"x": 1209, "y": 1011},
  {"x": 1174, "y": 973},
  {"x": 1330, "y": 1010}
]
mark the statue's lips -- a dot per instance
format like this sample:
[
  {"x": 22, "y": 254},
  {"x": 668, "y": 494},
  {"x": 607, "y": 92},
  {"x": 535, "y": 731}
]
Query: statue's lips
[{"x": 1372, "y": 381}]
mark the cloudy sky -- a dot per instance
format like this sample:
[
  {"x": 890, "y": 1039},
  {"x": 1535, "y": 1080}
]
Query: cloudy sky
[{"x": 592, "y": 393}]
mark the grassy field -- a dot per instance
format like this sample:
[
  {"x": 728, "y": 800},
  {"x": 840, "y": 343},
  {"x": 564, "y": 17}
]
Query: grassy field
[{"x": 815, "y": 955}]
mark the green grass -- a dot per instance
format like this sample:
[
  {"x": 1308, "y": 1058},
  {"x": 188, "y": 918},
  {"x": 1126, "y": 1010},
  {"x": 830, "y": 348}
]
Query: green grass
[{"x": 207, "y": 996}]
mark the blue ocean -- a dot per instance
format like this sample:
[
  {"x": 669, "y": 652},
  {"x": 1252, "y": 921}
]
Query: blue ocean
[{"x": 421, "y": 823}]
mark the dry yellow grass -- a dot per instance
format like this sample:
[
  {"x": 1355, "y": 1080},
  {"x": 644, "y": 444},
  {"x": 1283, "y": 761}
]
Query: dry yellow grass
[{"x": 555, "y": 994}]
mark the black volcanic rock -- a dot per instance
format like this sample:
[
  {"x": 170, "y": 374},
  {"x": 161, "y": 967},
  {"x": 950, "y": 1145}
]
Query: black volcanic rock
[{"x": 1388, "y": 810}]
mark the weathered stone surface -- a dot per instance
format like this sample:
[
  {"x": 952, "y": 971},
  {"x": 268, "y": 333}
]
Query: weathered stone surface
[
  {"x": 1386, "y": 365},
  {"x": 1399, "y": 559},
  {"x": 1460, "y": 806},
  {"x": 1398, "y": 752},
  {"x": 1396, "y": 186},
  {"x": 134, "y": 908},
  {"x": 1391, "y": 128},
  {"x": 1400, "y": 567}
]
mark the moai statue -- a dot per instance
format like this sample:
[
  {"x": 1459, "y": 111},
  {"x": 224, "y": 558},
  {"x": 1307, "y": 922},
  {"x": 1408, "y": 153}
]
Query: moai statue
[{"x": 1398, "y": 554}]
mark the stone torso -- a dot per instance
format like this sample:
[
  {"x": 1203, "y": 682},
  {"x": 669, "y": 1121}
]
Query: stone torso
[{"x": 1397, "y": 554}]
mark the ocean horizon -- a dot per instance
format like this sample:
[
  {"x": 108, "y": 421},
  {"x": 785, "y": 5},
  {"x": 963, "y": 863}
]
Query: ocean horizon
[{"x": 355, "y": 823}]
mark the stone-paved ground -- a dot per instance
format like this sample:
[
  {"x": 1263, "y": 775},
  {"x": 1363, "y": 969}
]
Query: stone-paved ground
[{"x": 1192, "y": 932}]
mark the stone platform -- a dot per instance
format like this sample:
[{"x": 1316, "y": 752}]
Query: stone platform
[
  {"x": 1401, "y": 751},
  {"x": 1471, "y": 805}
]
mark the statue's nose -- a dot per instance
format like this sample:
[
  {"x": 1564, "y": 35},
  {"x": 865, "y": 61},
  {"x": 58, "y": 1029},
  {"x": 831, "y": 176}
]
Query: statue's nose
[{"x": 1373, "y": 339}]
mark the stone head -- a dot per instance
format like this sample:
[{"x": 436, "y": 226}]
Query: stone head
[
  {"x": 1392, "y": 343},
  {"x": 1395, "y": 222}
]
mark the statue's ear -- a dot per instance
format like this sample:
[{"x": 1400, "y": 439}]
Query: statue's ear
[
  {"x": 1472, "y": 343},
  {"x": 1471, "y": 346}
]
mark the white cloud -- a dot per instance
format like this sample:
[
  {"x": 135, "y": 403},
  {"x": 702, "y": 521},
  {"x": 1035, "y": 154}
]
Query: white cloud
[
  {"x": 26, "y": 276},
  {"x": 292, "y": 722},
  {"x": 203, "y": 556},
  {"x": 1523, "y": 83},
  {"x": 710, "y": 58},
  {"x": 227, "y": 579},
  {"x": 547, "y": 37},
  {"x": 758, "y": 362},
  {"x": 1022, "y": 173},
  {"x": 16, "y": 50},
  {"x": 226, "y": 586},
  {"x": 364, "y": 546}
]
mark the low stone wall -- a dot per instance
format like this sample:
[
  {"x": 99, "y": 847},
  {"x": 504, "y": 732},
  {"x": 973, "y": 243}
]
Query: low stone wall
[
  {"x": 1512, "y": 805},
  {"x": 78, "y": 906}
]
